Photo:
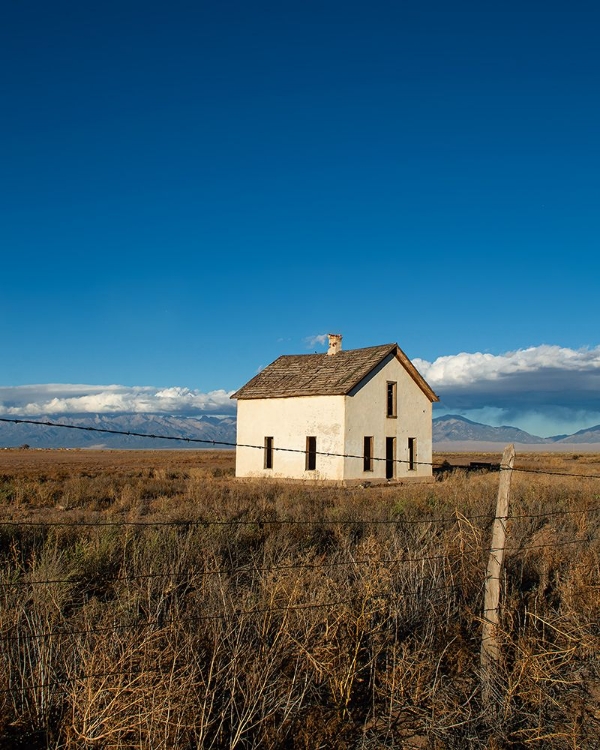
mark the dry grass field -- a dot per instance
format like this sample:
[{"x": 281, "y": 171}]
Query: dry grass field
[{"x": 150, "y": 600}]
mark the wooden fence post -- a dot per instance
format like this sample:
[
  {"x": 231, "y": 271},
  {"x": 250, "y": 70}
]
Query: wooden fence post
[{"x": 490, "y": 648}]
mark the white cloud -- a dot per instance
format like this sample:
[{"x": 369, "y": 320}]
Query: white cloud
[
  {"x": 53, "y": 399},
  {"x": 466, "y": 369},
  {"x": 312, "y": 341},
  {"x": 544, "y": 389}
]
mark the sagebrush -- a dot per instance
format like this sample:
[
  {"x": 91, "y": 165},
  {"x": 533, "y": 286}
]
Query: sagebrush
[{"x": 175, "y": 607}]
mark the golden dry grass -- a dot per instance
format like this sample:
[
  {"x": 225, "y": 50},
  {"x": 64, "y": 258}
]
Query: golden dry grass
[{"x": 149, "y": 600}]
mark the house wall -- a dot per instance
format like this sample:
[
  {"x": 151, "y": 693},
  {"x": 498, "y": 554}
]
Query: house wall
[
  {"x": 366, "y": 416},
  {"x": 289, "y": 421}
]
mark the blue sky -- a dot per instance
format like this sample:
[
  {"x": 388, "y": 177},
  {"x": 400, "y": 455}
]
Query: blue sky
[{"x": 191, "y": 189}]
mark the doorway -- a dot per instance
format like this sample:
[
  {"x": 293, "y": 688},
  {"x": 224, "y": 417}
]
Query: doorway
[
  {"x": 390, "y": 457},
  {"x": 412, "y": 453}
]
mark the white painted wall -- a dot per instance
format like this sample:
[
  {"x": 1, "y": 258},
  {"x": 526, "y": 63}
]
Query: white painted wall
[
  {"x": 340, "y": 424},
  {"x": 366, "y": 415},
  {"x": 289, "y": 421}
]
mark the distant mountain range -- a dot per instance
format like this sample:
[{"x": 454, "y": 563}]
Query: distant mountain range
[
  {"x": 222, "y": 430},
  {"x": 208, "y": 428},
  {"x": 452, "y": 428}
]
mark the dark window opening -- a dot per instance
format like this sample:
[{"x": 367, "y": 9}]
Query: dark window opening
[
  {"x": 391, "y": 399},
  {"x": 412, "y": 454},
  {"x": 368, "y": 454},
  {"x": 268, "y": 453},
  {"x": 311, "y": 453},
  {"x": 390, "y": 457}
]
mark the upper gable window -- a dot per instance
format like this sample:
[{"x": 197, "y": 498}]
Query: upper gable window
[{"x": 391, "y": 398}]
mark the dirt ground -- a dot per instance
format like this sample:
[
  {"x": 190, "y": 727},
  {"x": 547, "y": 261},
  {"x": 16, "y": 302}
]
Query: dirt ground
[
  {"x": 33, "y": 461},
  {"x": 51, "y": 463}
]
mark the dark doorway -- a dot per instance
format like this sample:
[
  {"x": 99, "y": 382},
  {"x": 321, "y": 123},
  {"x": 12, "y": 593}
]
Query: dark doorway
[
  {"x": 390, "y": 457},
  {"x": 412, "y": 453}
]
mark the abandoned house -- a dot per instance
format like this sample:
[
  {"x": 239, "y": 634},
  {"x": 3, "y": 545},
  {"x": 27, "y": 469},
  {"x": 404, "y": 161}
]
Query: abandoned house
[{"x": 356, "y": 415}]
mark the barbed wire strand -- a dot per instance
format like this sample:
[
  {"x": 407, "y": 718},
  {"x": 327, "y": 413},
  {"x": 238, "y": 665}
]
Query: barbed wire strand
[
  {"x": 205, "y": 441},
  {"x": 304, "y": 451},
  {"x": 250, "y": 522},
  {"x": 190, "y": 523},
  {"x": 19, "y": 637},
  {"x": 245, "y": 569},
  {"x": 189, "y": 577}
]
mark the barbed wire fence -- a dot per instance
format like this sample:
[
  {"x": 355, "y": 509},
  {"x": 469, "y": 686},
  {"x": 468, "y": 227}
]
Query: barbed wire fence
[
  {"x": 275, "y": 448},
  {"x": 18, "y": 634}
]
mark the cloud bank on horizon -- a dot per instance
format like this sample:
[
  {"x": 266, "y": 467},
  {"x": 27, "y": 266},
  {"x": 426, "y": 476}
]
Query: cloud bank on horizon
[
  {"x": 545, "y": 390},
  {"x": 542, "y": 389},
  {"x": 54, "y": 399}
]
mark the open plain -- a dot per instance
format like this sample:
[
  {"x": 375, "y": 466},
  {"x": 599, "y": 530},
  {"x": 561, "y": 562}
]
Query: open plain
[{"x": 150, "y": 600}]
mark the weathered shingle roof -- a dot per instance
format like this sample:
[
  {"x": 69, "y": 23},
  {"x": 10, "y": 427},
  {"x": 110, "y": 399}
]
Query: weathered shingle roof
[{"x": 324, "y": 375}]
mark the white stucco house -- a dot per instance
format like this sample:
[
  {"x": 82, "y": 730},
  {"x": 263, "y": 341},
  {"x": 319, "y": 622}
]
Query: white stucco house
[{"x": 357, "y": 415}]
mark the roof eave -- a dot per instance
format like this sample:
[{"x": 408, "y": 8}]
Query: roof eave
[{"x": 416, "y": 375}]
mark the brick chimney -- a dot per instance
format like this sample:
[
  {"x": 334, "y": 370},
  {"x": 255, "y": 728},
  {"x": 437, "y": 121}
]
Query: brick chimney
[{"x": 335, "y": 343}]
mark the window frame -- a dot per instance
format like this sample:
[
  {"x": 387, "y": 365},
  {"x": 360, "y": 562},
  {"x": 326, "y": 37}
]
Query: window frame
[
  {"x": 268, "y": 453},
  {"x": 391, "y": 399}
]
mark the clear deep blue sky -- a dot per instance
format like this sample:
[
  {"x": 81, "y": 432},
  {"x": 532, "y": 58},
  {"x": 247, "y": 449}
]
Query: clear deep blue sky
[{"x": 190, "y": 189}]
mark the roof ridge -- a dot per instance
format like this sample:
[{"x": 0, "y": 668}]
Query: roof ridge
[
  {"x": 341, "y": 351},
  {"x": 292, "y": 375}
]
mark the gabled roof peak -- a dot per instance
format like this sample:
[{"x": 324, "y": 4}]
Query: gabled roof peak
[{"x": 322, "y": 375}]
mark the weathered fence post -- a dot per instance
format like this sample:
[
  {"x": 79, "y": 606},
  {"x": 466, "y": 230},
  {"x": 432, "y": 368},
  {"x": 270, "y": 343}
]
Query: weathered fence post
[{"x": 490, "y": 648}]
